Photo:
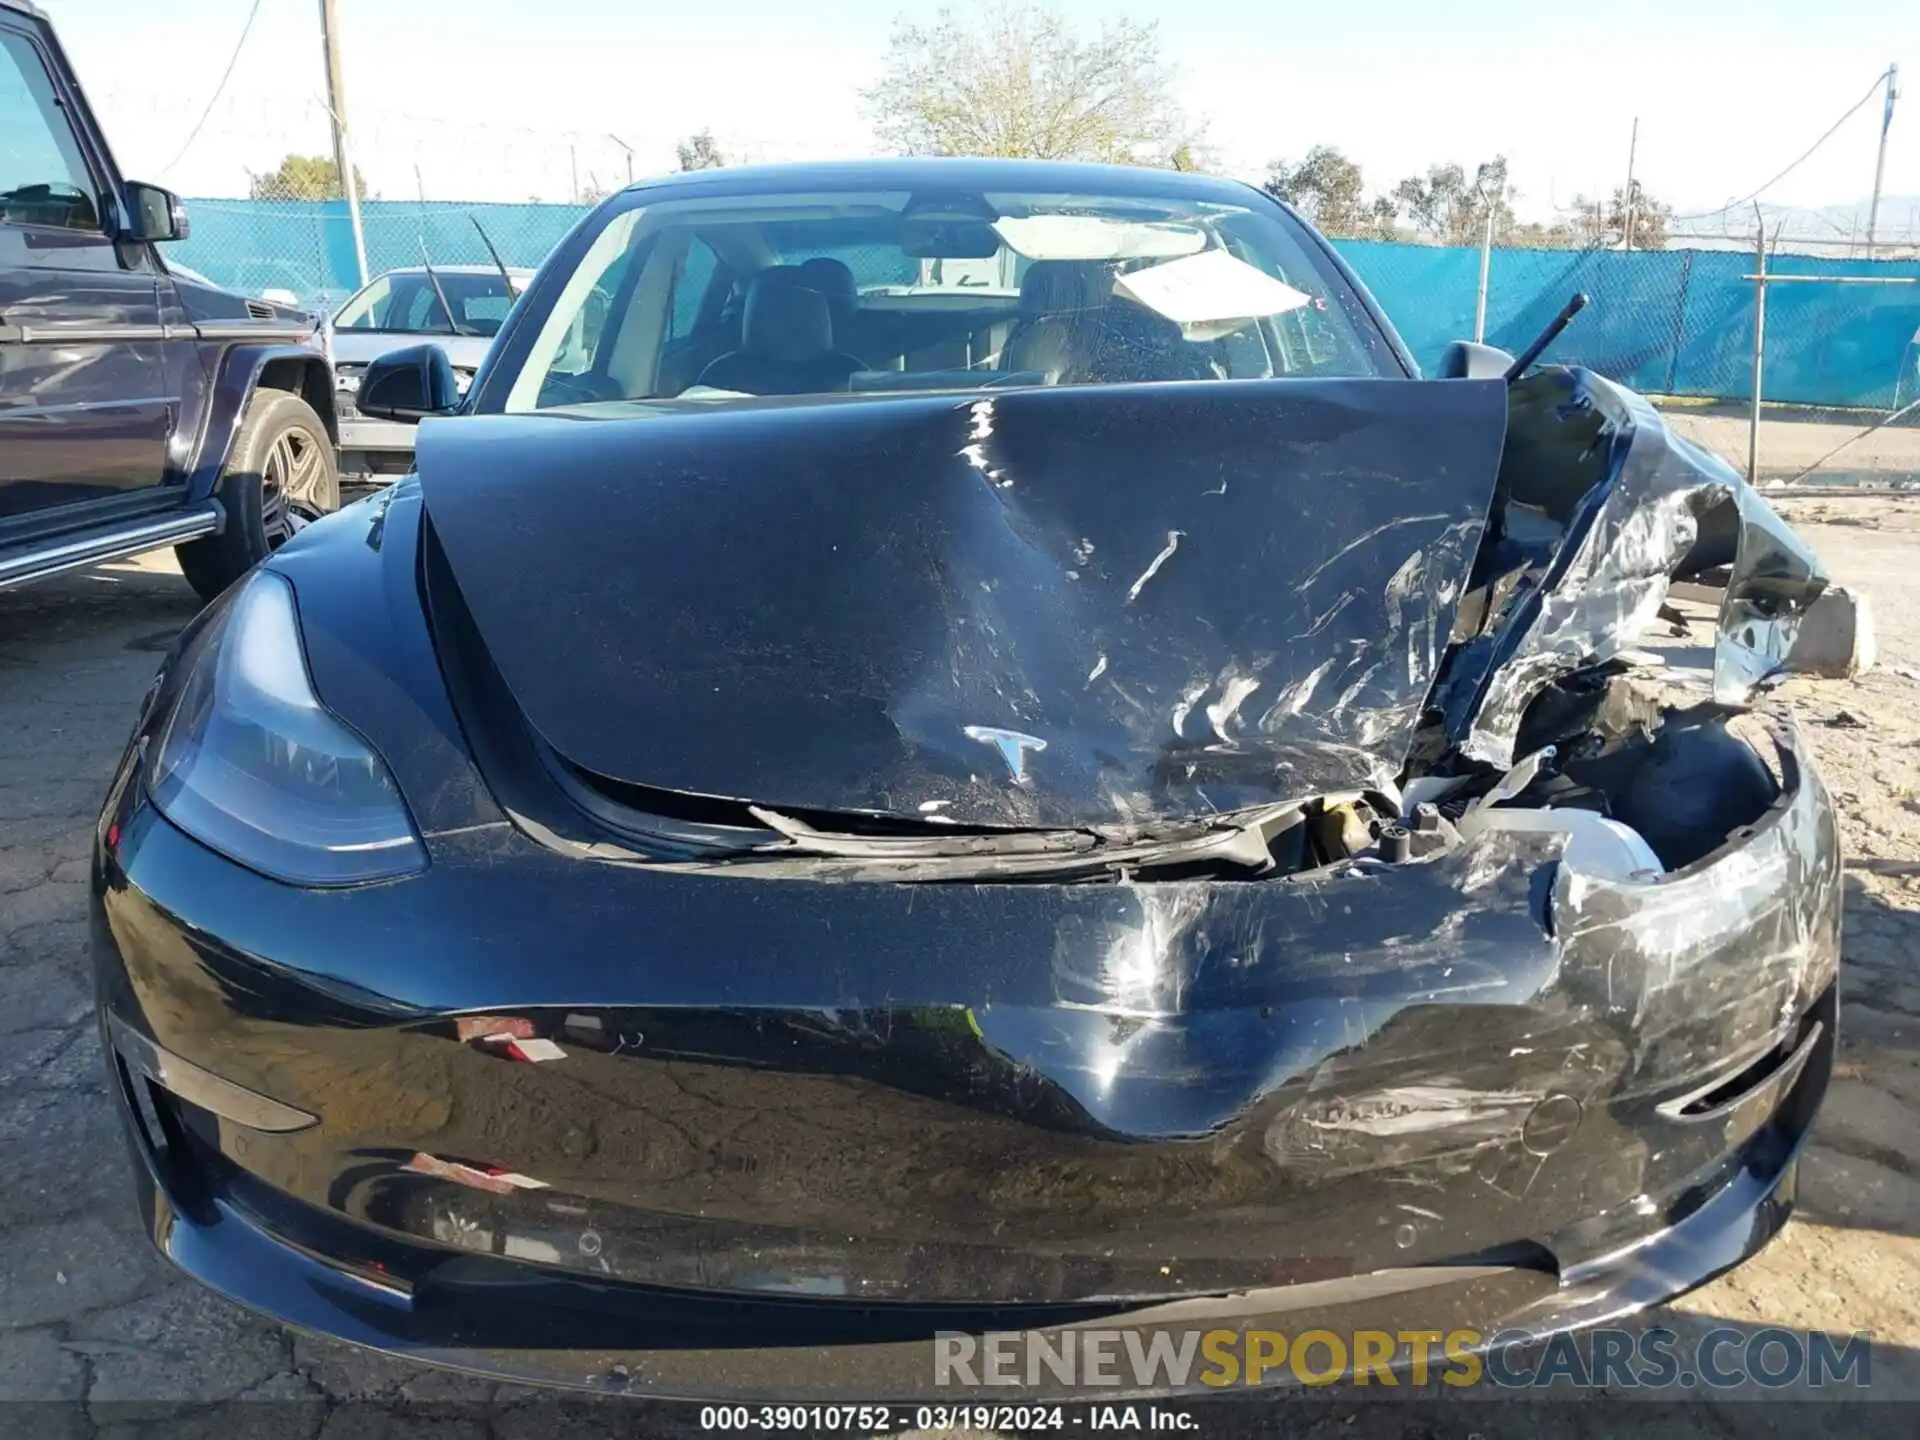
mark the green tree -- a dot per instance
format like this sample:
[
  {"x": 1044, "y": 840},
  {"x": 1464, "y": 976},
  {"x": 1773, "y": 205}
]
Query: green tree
[
  {"x": 304, "y": 177},
  {"x": 1446, "y": 208},
  {"x": 1327, "y": 188},
  {"x": 1383, "y": 218},
  {"x": 699, "y": 152},
  {"x": 1014, "y": 78},
  {"x": 1604, "y": 222}
]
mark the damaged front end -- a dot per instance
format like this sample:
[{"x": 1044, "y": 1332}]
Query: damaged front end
[
  {"x": 1374, "y": 922},
  {"x": 1362, "y": 856},
  {"x": 1599, "y": 507}
]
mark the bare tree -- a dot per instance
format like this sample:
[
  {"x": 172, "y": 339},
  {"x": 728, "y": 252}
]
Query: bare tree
[
  {"x": 1327, "y": 188},
  {"x": 699, "y": 152},
  {"x": 1014, "y": 79}
]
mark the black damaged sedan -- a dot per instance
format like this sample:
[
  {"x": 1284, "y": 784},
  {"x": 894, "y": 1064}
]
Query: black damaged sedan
[{"x": 958, "y": 746}]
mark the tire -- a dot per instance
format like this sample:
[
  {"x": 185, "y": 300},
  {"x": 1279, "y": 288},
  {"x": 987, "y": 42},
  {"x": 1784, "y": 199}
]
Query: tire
[{"x": 279, "y": 476}]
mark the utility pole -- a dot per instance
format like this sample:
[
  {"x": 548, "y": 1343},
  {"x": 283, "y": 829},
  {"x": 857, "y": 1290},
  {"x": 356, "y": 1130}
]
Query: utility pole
[
  {"x": 573, "y": 171},
  {"x": 337, "y": 112},
  {"x": 629, "y": 149},
  {"x": 1633, "y": 148},
  {"x": 1880, "y": 162}
]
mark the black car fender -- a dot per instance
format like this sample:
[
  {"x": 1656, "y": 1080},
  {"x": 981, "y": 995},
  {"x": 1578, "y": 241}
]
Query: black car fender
[{"x": 238, "y": 371}]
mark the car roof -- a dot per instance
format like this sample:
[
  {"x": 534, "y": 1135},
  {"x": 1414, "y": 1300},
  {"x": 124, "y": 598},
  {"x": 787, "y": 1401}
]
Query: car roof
[
  {"x": 960, "y": 173},
  {"x": 25, "y": 7}
]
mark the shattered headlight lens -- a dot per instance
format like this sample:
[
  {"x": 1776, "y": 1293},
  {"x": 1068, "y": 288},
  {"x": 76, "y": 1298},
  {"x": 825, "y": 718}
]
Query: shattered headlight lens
[{"x": 252, "y": 765}]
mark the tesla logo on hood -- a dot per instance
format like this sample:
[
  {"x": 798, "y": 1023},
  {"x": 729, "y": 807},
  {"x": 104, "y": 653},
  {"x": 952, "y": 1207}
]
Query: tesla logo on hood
[{"x": 1012, "y": 745}]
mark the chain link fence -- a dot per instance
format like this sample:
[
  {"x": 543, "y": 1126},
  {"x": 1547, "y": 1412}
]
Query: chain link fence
[
  {"x": 1666, "y": 322},
  {"x": 305, "y": 247}
]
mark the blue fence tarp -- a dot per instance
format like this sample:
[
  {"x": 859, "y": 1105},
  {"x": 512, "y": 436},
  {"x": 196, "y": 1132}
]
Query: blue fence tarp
[
  {"x": 1667, "y": 322},
  {"x": 1672, "y": 322}
]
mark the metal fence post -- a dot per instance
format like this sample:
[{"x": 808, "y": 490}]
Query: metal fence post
[
  {"x": 1486, "y": 266},
  {"x": 1680, "y": 323},
  {"x": 1759, "y": 344}
]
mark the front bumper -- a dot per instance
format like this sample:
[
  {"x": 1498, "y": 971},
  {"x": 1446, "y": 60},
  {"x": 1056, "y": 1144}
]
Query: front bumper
[
  {"x": 526, "y": 1323},
  {"x": 707, "y": 1137},
  {"x": 381, "y": 449}
]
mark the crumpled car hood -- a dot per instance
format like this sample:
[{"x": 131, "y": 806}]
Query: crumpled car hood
[{"x": 1057, "y": 607}]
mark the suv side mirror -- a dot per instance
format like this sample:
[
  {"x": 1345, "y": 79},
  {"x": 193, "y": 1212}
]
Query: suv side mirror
[
  {"x": 409, "y": 385},
  {"x": 1465, "y": 360},
  {"x": 155, "y": 214}
]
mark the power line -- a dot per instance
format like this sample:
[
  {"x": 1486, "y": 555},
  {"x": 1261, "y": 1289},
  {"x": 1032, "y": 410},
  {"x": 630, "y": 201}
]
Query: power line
[
  {"x": 1872, "y": 90},
  {"x": 218, "y": 90}
]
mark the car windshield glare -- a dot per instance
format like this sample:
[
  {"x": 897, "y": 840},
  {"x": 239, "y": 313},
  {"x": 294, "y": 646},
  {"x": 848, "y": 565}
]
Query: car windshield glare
[
  {"x": 724, "y": 298},
  {"x": 407, "y": 302}
]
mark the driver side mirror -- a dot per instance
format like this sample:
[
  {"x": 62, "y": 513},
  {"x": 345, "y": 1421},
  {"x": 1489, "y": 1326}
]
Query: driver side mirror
[
  {"x": 154, "y": 214},
  {"x": 409, "y": 385},
  {"x": 1466, "y": 360}
]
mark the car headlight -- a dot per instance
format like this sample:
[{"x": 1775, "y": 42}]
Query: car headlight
[{"x": 252, "y": 765}]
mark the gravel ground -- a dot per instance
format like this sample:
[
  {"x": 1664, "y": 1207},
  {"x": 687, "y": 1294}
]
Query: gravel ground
[
  {"x": 89, "y": 1315},
  {"x": 1793, "y": 439}
]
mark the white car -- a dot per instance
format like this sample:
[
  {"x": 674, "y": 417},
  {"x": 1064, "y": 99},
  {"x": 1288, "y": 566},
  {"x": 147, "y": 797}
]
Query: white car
[{"x": 396, "y": 310}]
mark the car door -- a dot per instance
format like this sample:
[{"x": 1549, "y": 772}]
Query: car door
[{"x": 85, "y": 408}]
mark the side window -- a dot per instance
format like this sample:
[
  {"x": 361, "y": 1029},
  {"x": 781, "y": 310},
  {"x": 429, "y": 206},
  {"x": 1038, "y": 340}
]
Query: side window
[
  {"x": 43, "y": 177},
  {"x": 582, "y": 341},
  {"x": 689, "y": 288},
  {"x": 1323, "y": 347}
]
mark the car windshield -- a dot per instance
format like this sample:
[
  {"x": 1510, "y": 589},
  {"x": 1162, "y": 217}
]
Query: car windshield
[
  {"x": 405, "y": 301},
  {"x": 719, "y": 298}
]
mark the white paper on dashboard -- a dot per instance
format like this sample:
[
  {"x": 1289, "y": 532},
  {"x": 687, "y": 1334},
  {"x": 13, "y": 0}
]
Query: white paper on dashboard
[{"x": 1210, "y": 294}]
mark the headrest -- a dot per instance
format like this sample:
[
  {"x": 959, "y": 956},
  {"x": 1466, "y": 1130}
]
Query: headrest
[
  {"x": 831, "y": 277},
  {"x": 1053, "y": 287},
  {"x": 783, "y": 319}
]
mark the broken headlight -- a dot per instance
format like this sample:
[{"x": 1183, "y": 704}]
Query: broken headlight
[{"x": 252, "y": 765}]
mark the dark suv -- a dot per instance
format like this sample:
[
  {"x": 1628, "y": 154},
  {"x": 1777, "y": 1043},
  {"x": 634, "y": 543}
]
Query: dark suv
[{"x": 138, "y": 408}]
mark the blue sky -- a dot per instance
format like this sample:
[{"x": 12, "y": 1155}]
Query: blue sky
[{"x": 505, "y": 99}]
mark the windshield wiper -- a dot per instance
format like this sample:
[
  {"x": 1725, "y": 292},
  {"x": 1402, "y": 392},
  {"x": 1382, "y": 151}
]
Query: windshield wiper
[
  {"x": 453, "y": 325},
  {"x": 498, "y": 264}
]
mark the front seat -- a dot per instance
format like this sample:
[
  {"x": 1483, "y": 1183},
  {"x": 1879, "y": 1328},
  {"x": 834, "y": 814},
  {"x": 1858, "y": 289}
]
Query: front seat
[
  {"x": 1060, "y": 301},
  {"x": 834, "y": 279},
  {"x": 786, "y": 343},
  {"x": 1128, "y": 343}
]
